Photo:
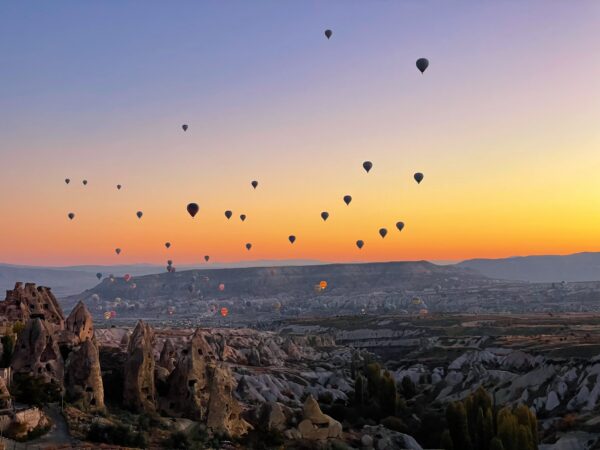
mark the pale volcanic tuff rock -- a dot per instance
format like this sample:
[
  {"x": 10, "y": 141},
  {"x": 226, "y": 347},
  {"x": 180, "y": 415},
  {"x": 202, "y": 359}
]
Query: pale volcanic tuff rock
[
  {"x": 80, "y": 323},
  {"x": 168, "y": 355},
  {"x": 201, "y": 388},
  {"x": 37, "y": 353},
  {"x": 139, "y": 392},
  {"x": 26, "y": 301},
  {"x": 316, "y": 425},
  {"x": 83, "y": 379}
]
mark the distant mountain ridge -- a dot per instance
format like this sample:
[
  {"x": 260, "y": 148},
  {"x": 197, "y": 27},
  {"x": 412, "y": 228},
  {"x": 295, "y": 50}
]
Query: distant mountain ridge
[{"x": 583, "y": 266}]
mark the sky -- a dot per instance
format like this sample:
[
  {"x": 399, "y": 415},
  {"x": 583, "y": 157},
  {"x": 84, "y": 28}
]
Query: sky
[{"x": 504, "y": 125}]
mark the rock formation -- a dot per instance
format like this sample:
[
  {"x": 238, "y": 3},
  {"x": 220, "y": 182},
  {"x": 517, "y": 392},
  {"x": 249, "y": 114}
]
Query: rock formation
[
  {"x": 80, "y": 323},
  {"x": 168, "y": 356},
  {"x": 37, "y": 353},
  {"x": 26, "y": 301},
  {"x": 200, "y": 388},
  {"x": 83, "y": 379},
  {"x": 316, "y": 425},
  {"x": 139, "y": 393},
  {"x": 5, "y": 400}
]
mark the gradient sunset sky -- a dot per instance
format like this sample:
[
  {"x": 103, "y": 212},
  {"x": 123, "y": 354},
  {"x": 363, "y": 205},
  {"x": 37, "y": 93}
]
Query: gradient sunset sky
[{"x": 505, "y": 125}]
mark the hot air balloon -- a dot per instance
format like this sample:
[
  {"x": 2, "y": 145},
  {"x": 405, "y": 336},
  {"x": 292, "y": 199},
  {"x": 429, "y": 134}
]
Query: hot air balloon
[
  {"x": 221, "y": 287},
  {"x": 133, "y": 285},
  {"x": 347, "y": 199},
  {"x": 328, "y": 34},
  {"x": 292, "y": 238},
  {"x": 107, "y": 315},
  {"x": 113, "y": 314},
  {"x": 98, "y": 275},
  {"x": 170, "y": 310},
  {"x": 119, "y": 186},
  {"x": 382, "y": 232},
  {"x": 168, "y": 244},
  {"x": 192, "y": 209},
  {"x": 67, "y": 180},
  {"x": 242, "y": 217},
  {"x": 323, "y": 284},
  {"x": 248, "y": 246},
  {"x": 324, "y": 215},
  {"x": 127, "y": 277},
  {"x": 95, "y": 298},
  {"x": 118, "y": 251},
  {"x": 184, "y": 126},
  {"x": 277, "y": 306},
  {"x": 170, "y": 262},
  {"x": 360, "y": 244},
  {"x": 400, "y": 225},
  {"x": 224, "y": 311},
  {"x": 422, "y": 64},
  {"x": 367, "y": 165},
  {"x": 206, "y": 258},
  {"x": 71, "y": 216},
  {"x": 139, "y": 214},
  {"x": 84, "y": 182},
  {"x": 228, "y": 214},
  {"x": 418, "y": 177},
  {"x": 254, "y": 184}
]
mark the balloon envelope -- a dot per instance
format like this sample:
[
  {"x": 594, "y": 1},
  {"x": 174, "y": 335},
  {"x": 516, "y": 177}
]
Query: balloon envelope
[
  {"x": 117, "y": 251},
  {"x": 206, "y": 258},
  {"x": 168, "y": 244},
  {"x": 127, "y": 277},
  {"x": 67, "y": 180},
  {"x": 248, "y": 246},
  {"x": 360, "y": 244},
  {"x": 418, "y": 177},
  {"x": 347, "y": 199},
  {"x": 367, "y": 165},
  {"x": 139, "y": 214},
  {"x": 98, "y": 275},
  {"x": 324, "y": 215},
  {"x": 422, "y": 64},
  {"x": 328, "y": 34},
  {"x": 323, "y": 284},
  {"x": 242, "y": 217},
  {"x": 382, "y": 232},
  {"x": 184, "y": 126},
  {"x": 254, "y": 184},
  {"x": 71, "y": 216},
  {"x": 399, "y": 225},
  {"x": 119, "y": 186},
  {"x": 84, "y": 182},
  {"x": 224, "y": 312},
  {"x": 292, "y": 238},
  {"x": 192, "y": 209},
  {"x": 221, "y": 287},
  {"x": 228, "y": 214}
]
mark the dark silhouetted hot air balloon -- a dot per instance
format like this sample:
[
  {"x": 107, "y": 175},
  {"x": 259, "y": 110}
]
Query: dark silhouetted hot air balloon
[
  {"x": 84, "y": 182},
  {"x": 248, "y": 246},
  {"x": 347, "y": 199},
  {"x": 139, "y": 214},
  {"x": 206, "y": 258},
  {"x": 324, "y": 215},
  {"x": 228, "y": 214},
  {"x": 184, "y": 126},
  {"x": 118, "y": 251},
  {"x": 71, "y": 216},
  {"x": 192, "y": 209},
  {"x": 168, "y": 244},
  {"x": 254, "y": 184},
  {"x": 422, "y": 64},
  {"x": 292, "y": 238},
  {"x": 328, "y": 34},
  {"x": 127, "y": 277},
  {"x": 367, "y": 165},
  {"x": 67, "y": 180},
  {"x": 170, "y": 262},
  {"x": 399, "y": 225},
  {"x": 119, "y": 187},
  {"x": 360, "y": 244},
  {"x": 382, "y": 232},
  {"x": 242, "y": 217},
  {"x": 418, "y": 177},
  {"x": 224, "y": 311},
  {"x": 98, "y": 275}
]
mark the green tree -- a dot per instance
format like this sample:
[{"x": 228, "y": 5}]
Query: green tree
[
  {"x": 446, "y": 442},
  {"x": 373, "y": 373},
  {"x": 496, "y": 444},
  {"x": 360, "y": 388},
  {"x": 8, "y": 348},
  {"x": 387, "y": 394},
  {"x": 508, "y": 428},
  {"x": 458, "y": 426}
]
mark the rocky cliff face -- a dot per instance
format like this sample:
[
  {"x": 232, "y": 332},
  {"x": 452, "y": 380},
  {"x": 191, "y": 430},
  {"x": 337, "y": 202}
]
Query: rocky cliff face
[
  {"x": 83, "y": 379},
  {"x": 37, "y": 352},
  {"x": 201, "y": 388},
  {"x": 26, "y": 301},
  {"x": 80, "y": 324},
  {"x": 139, "y": 392},
  {"x": 168, "y": 356}
]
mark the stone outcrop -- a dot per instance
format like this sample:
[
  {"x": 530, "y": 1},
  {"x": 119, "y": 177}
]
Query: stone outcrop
[
  {"x": 201, "y": 388},
  {"x": 139, "y": 392},
  {"x": 27, "y": 301},
  {"x": 37, "y": 353},
  {"x": 5, "y": 400},
  {"x": 316, "y": 425},
  {"x": 83, "y": 379},
  {"x": 168, "y": 356},
  {"x": 80, "y": 324}
]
